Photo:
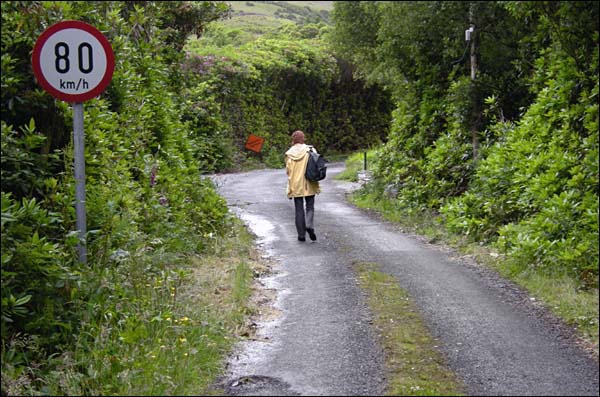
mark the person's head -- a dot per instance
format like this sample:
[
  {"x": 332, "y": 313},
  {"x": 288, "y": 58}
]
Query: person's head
[{"x": 297, "y": 137}]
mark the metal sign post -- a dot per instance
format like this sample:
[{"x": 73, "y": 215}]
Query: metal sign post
[
  {"x": 79, "y": 159},
  {"x": 74, "y": 62}
]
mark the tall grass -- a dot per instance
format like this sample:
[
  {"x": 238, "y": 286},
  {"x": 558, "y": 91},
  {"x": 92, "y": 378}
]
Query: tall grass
[{"x": 153, "y": 332}]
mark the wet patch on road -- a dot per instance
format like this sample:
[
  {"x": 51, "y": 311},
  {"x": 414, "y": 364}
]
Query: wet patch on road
[{"x": 253, "y": 385}]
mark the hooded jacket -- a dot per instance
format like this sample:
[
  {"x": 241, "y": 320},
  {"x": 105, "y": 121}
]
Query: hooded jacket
[{"x": 295, "y": 165}]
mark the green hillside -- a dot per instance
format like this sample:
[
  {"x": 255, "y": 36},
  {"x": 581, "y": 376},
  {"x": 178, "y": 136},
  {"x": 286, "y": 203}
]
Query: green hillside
[{"x": 271, "y": 14}]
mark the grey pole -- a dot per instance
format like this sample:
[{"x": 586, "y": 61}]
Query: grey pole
[{"x": 79, "y": 156}]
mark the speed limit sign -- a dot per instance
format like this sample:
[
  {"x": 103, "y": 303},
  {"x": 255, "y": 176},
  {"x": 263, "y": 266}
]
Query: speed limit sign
[{"x": 73, "y": 61}]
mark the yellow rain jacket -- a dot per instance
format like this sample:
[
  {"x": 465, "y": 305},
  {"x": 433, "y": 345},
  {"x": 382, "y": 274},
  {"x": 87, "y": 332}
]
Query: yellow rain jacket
[{"x": 295, "y": 165}]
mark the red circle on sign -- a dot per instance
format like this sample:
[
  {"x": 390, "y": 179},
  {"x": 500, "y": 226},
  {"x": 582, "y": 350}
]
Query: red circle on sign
[{"x": 38, "y": 70}]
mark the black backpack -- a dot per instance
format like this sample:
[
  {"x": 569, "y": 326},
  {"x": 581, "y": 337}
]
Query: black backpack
[{"x": 316, "y": 167}]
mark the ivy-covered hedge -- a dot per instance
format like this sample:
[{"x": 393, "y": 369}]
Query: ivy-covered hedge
[{"x": 281, "y": 82}]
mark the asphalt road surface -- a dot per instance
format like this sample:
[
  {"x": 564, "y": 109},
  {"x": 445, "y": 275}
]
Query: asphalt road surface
[{"x": 496, "y": 338}]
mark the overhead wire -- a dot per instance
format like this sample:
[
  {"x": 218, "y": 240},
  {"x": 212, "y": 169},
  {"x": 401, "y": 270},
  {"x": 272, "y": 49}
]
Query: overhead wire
[{"x": 463, "y": 55}]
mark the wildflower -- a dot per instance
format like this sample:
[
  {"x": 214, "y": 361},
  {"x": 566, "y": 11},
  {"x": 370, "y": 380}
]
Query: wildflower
[{"x": 119, "y": 255}]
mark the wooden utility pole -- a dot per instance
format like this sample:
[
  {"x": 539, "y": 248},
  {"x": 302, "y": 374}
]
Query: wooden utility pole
[{"x": 470, "y": 36}]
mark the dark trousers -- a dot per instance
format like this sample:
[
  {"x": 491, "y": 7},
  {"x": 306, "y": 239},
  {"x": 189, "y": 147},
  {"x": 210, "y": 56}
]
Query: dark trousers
[{"x": 304, "y": 219}]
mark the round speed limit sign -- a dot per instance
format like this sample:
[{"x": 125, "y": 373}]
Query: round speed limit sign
[{"x": 73, "y": 61}]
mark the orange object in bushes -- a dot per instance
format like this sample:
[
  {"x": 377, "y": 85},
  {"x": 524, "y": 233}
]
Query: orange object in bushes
[{"x": 254, "y": 143}]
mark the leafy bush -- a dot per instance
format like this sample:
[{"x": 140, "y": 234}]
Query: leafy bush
[
  {"x": 143, "y": 191},
  {"x": 38, "y": 279},
  {"x": 510, "y": 157},
  {"x": 538, "y": 187}
]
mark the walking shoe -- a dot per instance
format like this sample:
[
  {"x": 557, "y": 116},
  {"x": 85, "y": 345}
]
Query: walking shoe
[
  {"x": 301, "y": 238},
  {"x": 311, "y": 234}
]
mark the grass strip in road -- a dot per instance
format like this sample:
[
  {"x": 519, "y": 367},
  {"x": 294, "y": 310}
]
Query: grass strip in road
[
  {"x": 415, "y": 367},
  {"x": 560, "y": 294}
]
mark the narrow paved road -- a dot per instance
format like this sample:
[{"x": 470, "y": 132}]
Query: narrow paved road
[{"x": 495, "y": 338}]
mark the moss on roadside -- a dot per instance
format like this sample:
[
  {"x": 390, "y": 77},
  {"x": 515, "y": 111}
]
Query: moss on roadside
[{"x": 415, "y": 367}]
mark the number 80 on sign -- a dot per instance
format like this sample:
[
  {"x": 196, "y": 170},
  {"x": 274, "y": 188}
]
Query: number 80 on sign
[{"x": 73, "y": 61}]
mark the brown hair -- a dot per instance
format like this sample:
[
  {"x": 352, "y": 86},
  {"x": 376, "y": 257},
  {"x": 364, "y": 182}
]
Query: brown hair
[{"x": 297, "y": 137}]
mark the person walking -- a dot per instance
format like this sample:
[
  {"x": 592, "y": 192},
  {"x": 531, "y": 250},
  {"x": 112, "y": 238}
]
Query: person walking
[{"x": 299, "y": 188}]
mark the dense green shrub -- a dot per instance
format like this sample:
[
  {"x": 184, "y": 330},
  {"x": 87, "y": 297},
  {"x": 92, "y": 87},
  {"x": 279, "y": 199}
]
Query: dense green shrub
[
  {"x": 538, "y": 188},
  {"x": 510, "y": 157},
  {"x": 147, "y": 207}
]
